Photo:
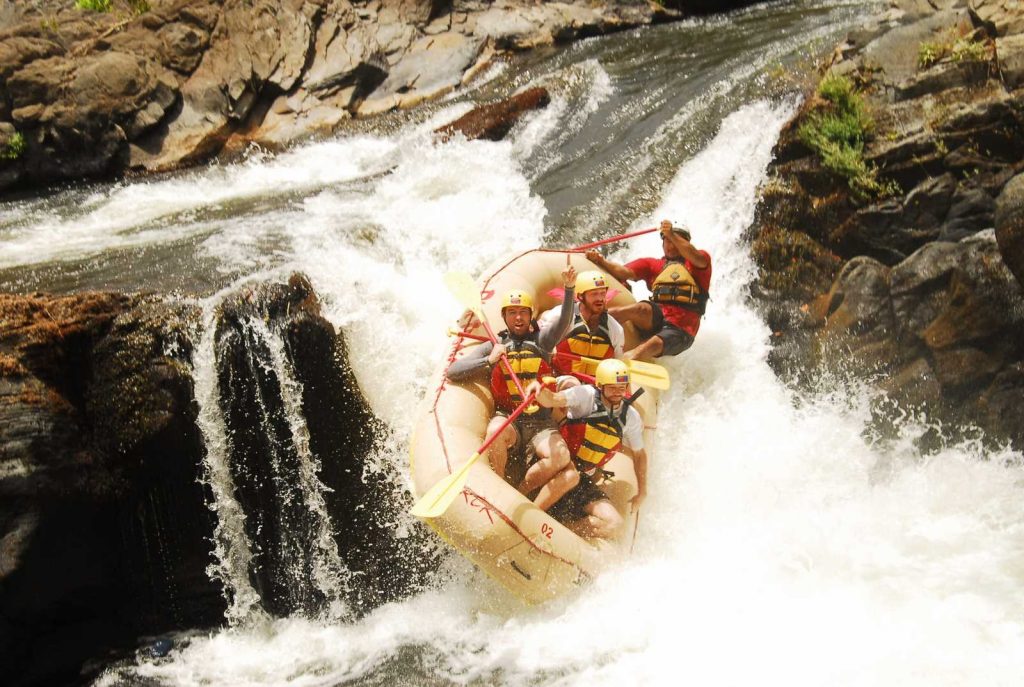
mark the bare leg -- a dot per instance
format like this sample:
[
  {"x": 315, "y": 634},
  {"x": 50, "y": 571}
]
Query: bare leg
[
  {"x": 553, "y": 472},
  {"x": 651, "y": 348},
  {"x": 602, "y": 520},
  {"x": 497, "y": 454},
  {"x": 640, "y": 314}
]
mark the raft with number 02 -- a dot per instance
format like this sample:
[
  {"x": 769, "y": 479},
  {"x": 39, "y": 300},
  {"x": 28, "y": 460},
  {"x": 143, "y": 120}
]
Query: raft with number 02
[{"x": 534, "y": 556}]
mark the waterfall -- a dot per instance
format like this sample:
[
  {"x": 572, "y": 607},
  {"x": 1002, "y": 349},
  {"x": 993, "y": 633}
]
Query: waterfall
[{"x": 231, "y": 547}]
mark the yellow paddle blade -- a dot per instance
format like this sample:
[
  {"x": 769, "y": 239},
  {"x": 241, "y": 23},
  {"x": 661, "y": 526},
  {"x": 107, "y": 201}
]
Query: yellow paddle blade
[
  {"x": 437, "y": 499},
  {"x": 465, "y": 291},
  {"x": 660, "y": 383},
  {"x": 649, "y": 374}
]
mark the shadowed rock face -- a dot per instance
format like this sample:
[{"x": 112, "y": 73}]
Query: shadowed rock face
[
  {"x": 341, "y": 431},
  {"x": 924, "y": 293},
  {"x": 103, "y": 522},
  {"x": 106, "y": 528},
  {"x": 97, "y": 94}
]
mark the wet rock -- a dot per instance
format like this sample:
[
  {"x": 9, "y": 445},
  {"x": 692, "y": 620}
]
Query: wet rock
[
  {"x": 493, "y": 122},
  {"x": 1009, "y": 226},
  {"x": 103, "y": 521},
  {"x": 950, "y": 135},
  {"x": 96, "y": 94},
  {"x": 338, "y": 435},
  {"x": 972, "y": 210},
  {"x": 891, "y": 230}
]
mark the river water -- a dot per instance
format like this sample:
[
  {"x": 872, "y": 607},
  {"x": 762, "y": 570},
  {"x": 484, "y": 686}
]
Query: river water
[{"x": 780, "y": 543}]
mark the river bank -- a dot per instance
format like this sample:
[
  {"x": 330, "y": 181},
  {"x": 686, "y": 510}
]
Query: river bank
[
  {"x": 153, "y": 86},
  {"x": 891, "y": 247}
]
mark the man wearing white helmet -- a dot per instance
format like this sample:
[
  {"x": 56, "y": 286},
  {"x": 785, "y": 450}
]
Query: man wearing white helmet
[
  {"x": 539, "y": 450},
  {"x": 679, "y": 284},
  {"x": 593, "y": 334},
  {"x": 599, "y": 423}
]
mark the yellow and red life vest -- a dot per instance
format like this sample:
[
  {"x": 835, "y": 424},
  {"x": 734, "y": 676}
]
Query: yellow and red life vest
[
  {"x": 676, "y": 286},
  {"x": 581, "y": 340},
  {"x": 594, "y": 439},
  {"x": 527, "y": 360}
]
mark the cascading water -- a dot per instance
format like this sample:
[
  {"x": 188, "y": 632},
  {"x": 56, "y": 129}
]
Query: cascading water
[{"x": 779, "y": 542}]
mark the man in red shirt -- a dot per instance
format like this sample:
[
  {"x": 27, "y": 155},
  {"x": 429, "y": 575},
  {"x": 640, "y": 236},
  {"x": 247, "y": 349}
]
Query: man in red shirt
[{"x": 679, "y": 285}]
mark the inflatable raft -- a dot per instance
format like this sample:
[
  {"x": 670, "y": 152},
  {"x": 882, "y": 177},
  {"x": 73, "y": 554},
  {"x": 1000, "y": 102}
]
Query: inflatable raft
[{"x": 533, "y": 555}]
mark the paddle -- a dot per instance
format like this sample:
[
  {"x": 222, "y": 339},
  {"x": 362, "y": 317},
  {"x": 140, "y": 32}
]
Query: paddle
[
  {"x": 613, "y": 239},
  {"x": 437, "y": 499},
  {"x": 464, "y": 289},
  {"x": 649, "y": 374}
]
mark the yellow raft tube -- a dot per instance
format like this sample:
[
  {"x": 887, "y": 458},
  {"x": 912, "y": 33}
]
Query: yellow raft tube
[{"x": 533, "y": 555}]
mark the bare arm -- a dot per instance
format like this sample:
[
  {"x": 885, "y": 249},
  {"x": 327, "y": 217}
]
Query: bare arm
[
  {"x": 620, "y": 272},
  {"x": 686, "y": 249},
  {"x": 640, "y": 468},
  {"x": 545, "y": 396}
]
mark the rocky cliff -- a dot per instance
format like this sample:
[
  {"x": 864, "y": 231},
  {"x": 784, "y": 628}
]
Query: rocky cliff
[
  {"x": 889, "y": 235},
  {"x": 153, "y": 85}
]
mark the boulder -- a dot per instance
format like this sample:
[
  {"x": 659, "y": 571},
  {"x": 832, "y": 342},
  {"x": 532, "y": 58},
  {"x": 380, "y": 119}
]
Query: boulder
[
  {"x": 1009, "y": 226},
  {"x": 493, "y": 122},
  {"x": 1010, "y": 54},
  {"x": 103, "y": 524},
  {"x": 999, "y": 17},
  {"x": 432, "y": 67}
]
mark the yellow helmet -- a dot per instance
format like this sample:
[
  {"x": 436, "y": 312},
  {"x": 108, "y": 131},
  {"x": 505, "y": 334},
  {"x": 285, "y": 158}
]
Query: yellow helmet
[
  {"x": 516, "y": 298},
  {"x": 590, "y": 280},
  {"x": 611, "y": 371}
]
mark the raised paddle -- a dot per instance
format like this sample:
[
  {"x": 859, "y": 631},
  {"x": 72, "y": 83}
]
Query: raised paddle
[
  {"x": 437, "y": 499},
  {"x": 613, "y": 239},
  {"x": 649, "y": 374},
  {"x": 464, "y": 289}
]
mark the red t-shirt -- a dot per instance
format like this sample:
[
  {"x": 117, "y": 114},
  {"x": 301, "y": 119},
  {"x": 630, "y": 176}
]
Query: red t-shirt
[{"x": 649, "y": 268}]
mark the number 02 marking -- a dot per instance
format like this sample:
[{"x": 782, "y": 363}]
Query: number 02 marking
[{"x": 547, "y": 530}]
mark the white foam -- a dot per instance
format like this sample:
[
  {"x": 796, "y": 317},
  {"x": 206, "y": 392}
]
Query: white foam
[{"x": 778, "y": 544}]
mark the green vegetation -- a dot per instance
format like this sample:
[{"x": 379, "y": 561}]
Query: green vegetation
[
  {"x": 837, "y": 129},
  {"x": 928, "y": 53},
  {"x": 14, "y": 148},
  {"x": 94, "y": 5},
  {"x": 139, "y": 6},
  {"x": 954, "y": 46}
]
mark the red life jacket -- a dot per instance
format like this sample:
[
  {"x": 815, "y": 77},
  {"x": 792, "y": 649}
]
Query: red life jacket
[
  {"x": 527, "y": 360},
  {"x": 581, "y": 340}
]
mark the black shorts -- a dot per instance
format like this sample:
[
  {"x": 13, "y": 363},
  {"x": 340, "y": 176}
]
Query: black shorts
[
  {"x": 573, "y": 505},
  {"x": 674, "y": 339}
]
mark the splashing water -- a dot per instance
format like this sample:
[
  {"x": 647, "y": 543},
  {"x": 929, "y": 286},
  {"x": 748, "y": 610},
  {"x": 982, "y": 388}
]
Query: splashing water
[{"x": 779, "y": 543}]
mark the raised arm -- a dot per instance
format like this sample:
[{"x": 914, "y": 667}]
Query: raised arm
[
  {"x": 549, "y": 336},
  {"x": 620, "y": 272},
  {"x": 686, "y": 249}
]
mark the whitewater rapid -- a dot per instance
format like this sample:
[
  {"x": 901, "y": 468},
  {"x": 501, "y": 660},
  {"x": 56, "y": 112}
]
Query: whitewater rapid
[
  {"x": 781, "y": 543},
  {"x": 778, "y": 545}
]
